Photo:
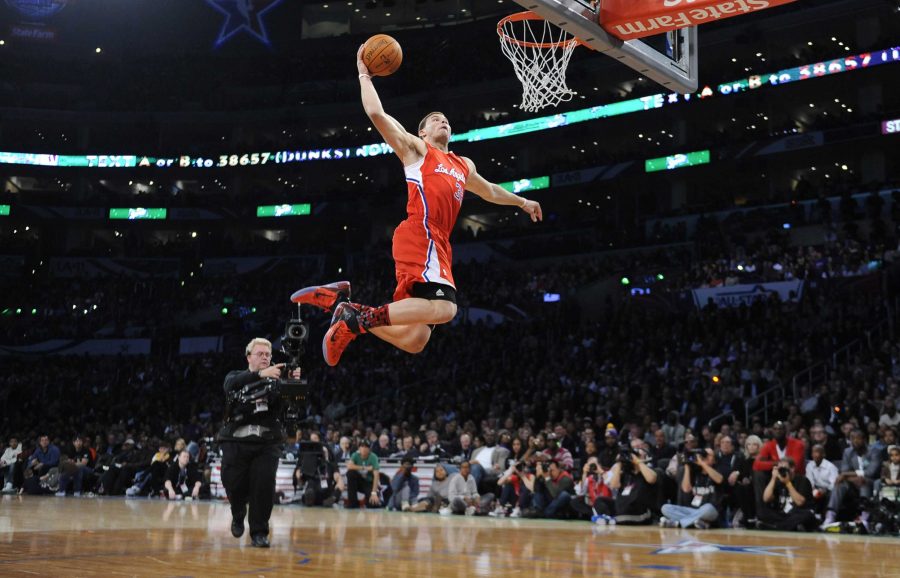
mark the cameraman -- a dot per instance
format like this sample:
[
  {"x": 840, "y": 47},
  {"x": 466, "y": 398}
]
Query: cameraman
[
  {"x": 251, "y": 445},
  {"x": 635, "y": 485},
  {"x": 592, "y": 495},
  {"x": 318, "y": 472},
  {"x": 553, "y": 490},
  {"x": 701, "y": 481},
  {"x": 788, "y": 500}
]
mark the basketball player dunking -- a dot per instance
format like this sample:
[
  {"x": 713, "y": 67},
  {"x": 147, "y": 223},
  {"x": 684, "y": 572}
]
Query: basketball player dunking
[{"x": 426, "y": 294}]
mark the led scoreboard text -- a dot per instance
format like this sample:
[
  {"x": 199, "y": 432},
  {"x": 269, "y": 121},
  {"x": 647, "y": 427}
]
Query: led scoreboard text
[{"x": 642, "y": 104}]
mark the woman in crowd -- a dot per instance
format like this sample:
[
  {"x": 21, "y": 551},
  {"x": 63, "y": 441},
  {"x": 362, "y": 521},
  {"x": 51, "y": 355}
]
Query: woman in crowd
[{"x": 743, "y": 489}]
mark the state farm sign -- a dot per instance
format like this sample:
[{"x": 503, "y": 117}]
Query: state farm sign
[{"x": 628, "y": 19}]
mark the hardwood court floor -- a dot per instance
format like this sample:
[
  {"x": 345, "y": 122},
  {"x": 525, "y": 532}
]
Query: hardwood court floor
[{"x": 71, "y": 537}]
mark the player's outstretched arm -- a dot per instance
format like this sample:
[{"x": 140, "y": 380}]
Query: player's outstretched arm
[
  {"x": 496, "y": 194},
  {"x": 408, "y": 147}
]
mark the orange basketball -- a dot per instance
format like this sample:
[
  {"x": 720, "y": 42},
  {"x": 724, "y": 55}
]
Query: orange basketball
[{"x": 382, "y": 55}]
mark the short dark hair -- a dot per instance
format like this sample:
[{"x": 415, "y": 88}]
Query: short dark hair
[
  {"x": 427, "y": 116},
  {"x": 363, "y": 443}
]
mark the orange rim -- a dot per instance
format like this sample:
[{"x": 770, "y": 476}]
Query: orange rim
[{"x": 528, "y": 15}]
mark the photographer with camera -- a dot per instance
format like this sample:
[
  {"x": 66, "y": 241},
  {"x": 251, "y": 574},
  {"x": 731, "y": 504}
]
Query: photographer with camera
[
  {"x": 634, "y": 484},
  {"x": 701, "y": 482},
  {"x": 553, "y": 490},
  {"x": 593, "y": 497},
  {"x": 317, "y": 473},
  {"x": 788, "y": 500},
  {"x": 516, "y": 490},
  {"x": 251, "y": 441},
  {"x": 404, "y": 486}
]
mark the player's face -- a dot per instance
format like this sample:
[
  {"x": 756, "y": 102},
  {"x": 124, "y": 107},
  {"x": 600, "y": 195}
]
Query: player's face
[{"x": 437, "y": 127}]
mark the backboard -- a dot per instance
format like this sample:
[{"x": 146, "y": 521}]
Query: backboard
[{"x": 669, "y": 58}]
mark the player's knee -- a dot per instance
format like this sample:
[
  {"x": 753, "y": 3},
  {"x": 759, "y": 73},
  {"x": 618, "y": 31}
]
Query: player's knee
[
  {"x": 444, "y": 311},
  {"x": 418, "y": 341}
]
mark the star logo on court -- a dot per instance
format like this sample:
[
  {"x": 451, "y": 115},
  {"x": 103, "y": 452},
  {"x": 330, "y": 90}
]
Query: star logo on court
[
  {"x": 243, "y": 15},
  {"x": 691, "y": 546}
]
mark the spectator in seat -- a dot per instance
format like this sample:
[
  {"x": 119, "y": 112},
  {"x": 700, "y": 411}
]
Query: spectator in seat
[
  {"x": 159, "y": 466},
  {"x": 433, "y": 446},
  {"x": 465, "y": 449},
  {"x": 488, "y": 461},
  {"x": 672, "y": 428},
  {"x": 743, "y": 488},
  {"x": 438, "y": 494},
  {"x": 729, "y": 464},
  {"x": 890, "y": 416},
  {"x": 787, "y": 500},
  {"x": 662, "y": 449},
  {"x": 8, "y": 462},
  {"x": 555, "y": 452},
  {"x": 822, "y": 475},
  {"x": 610, "y": 450},
  {"x": 517, "y": 451},
  {"x": 888, "y": 438},
  {"x": 818, "y": 436},
  {"x": 860, "y": 468},
  {"x": 404, "y": 486},
  {"x": 890, "y": 473},
  {"x": 383, "y": 448},
  {"x": 363, "y": 475},
  {"x": 344, "y": 451},
  {"x": 182, "y": 478},
  {"x": 464, "y": 497},
  {"x": 44, "y": 457},
  {"x": 123, "y": 468},
  {"x": 75, "y": 467},
  {"x": 779, "y": 446},
  {"x": 701, "y": 482}
]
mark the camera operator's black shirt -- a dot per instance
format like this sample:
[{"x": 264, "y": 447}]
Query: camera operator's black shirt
[
  {"x": 707, "y": 490},
  {"x": 236, "y": 380},
  {"x": 783, "y": 496},
  {"x": 635, "y": 494}
]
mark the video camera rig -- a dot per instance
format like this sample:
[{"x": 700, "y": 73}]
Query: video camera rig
[{"x": 287, "y": 394}]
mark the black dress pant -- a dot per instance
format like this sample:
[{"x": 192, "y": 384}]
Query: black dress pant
[
  {"x": 796, "y": 519},
  {"x": 357, "y": 482},
  {"x": 248, "y": 474}
]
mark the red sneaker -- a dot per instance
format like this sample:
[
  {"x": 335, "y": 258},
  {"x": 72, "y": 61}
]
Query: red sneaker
[
  {"x": 345, "y": 328},
  {"x": 323, "y": 296}
]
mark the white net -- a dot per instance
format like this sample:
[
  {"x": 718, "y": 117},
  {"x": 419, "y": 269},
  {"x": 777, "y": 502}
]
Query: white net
[{"x": 540, "y": 53}]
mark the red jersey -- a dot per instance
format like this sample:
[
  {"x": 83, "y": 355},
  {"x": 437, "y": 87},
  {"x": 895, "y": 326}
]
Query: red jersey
[{"x": 436, "y": 185}]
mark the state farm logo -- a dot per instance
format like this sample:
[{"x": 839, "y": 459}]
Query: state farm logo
[
  {"x": 37, "y": 9},
  {"x": 628, "y": 19}
]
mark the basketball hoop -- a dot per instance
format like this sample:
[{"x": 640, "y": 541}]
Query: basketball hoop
[{"x": 540, "y": 54}]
